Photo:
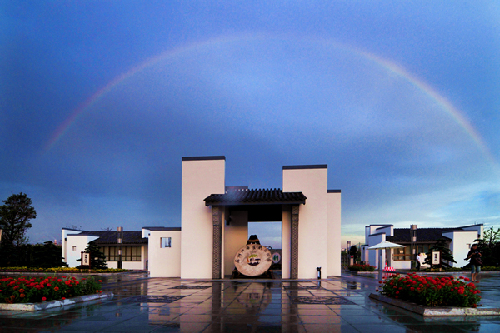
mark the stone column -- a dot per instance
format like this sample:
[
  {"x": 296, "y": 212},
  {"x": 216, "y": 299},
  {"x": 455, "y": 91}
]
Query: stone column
[
  {"x": 217, "y": 243},
  {"x": 295, "y": 243}
]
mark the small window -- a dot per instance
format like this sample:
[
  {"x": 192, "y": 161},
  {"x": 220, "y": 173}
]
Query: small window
[
  {"x": 73, "y": 248},
  {"x": 166, "y": 242}
]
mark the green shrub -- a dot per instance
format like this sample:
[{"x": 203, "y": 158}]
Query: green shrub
[
  {"x": 359, "y": 267},
  {"x": 490, "y": 268}
]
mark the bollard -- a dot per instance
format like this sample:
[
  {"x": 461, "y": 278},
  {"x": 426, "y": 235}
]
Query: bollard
[{"x": 319, "y": 273}]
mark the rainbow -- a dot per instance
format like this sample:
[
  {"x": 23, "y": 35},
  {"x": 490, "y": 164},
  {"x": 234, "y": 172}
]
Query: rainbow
[{"x": 392, "y": 67}]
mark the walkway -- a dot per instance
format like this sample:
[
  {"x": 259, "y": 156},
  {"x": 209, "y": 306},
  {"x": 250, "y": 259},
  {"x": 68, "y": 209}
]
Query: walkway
[{"x": 340, "y": 304}]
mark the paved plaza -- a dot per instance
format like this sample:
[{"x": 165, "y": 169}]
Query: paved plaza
[{"x": 143, "y": 304}]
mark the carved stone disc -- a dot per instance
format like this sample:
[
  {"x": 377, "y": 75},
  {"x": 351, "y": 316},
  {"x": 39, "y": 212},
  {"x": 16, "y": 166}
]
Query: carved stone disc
[{"x": 253, "y": 260}]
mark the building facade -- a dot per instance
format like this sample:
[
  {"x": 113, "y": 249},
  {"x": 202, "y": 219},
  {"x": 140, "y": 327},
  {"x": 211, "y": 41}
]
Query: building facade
[
  {"x": 215, "y": 225},
  {"x": 415, "y": 241}
]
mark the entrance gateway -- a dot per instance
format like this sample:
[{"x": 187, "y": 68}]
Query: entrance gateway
[{"x": 215, "y": 219}]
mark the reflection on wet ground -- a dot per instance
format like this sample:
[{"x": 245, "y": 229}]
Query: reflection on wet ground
[{"x": 143, "y": 304}]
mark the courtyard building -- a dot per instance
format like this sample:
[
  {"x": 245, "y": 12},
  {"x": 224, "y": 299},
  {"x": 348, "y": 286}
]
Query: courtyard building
[
  {"x": 417, "y": 241},
  {"x": 215, "y": 221}
]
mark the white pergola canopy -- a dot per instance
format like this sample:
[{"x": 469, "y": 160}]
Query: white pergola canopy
[{"x": 383, "y": 246}]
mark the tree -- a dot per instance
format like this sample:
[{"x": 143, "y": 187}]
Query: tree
[
  {"x": 446, "y": 256},
  {"x": 15, "y": 218},
  {"x": 489, "y": 247},
  {"x": 97, "y": 258},
  {"x": 46, "y": 255}
]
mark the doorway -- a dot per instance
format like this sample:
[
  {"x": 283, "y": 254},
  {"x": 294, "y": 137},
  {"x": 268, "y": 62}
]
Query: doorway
[{"x": 269, "y": 234}]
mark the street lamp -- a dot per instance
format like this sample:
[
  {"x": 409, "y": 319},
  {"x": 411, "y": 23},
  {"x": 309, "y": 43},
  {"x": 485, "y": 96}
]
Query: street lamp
[{"x": 119, "y": 240}]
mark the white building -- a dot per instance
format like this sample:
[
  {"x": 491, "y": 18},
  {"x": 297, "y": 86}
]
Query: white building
[
  {"x": 215, "y": 225},
  {"x": 458, "y": 239}
]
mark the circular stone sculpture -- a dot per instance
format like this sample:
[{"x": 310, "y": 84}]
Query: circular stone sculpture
[{"x": 253, "y": 260}]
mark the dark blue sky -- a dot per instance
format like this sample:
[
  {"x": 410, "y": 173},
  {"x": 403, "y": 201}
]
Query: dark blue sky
[{"x": 400, "y": 99}]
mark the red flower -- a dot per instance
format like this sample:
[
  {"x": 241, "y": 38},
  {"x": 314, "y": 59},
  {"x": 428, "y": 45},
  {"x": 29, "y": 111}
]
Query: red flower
[
  {"x": 63, "y": 298},
  {"x": 56, "y": 288},
  {"x": 44, "y": 298},
  {"x": 466, "y": 279}
]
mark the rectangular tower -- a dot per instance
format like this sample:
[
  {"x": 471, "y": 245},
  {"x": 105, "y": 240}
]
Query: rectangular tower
[
  {"x": 201, "y": 177},
  {"x": 311, "y": 180}
]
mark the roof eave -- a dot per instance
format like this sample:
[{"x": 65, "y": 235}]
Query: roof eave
[{"x": 257, "y": 203}]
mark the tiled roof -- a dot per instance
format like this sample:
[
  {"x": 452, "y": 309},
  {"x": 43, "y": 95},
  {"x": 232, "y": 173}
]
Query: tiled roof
[
  {"x": 258, "y": 196},
  {"x": 156, "y": 228},
  {"x": 423, "y": 234},
  {"x": 110, "y": 237}
]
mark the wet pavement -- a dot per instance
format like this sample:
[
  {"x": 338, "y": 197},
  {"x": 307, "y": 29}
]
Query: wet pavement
[{"x": 143, "y": 304}]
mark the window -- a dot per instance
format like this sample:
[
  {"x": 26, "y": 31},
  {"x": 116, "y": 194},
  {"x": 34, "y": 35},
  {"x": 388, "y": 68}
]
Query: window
[
  {"x": 129, "y": 253},
  {"x": 402, "y": 254},
  {"x": 73, "y": 248},
  {"x": 166, "y": 242}
]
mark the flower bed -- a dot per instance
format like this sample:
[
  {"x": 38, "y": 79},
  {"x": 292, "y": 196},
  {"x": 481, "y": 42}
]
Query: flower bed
[
  {"x": 24, "y": 289},
  {"x": 58, "y": 269},
  {"x": 430, "y": 291},
  {"x": 359, "y": 267}
]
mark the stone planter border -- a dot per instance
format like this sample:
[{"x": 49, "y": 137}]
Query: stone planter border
[
  {"x": 54, "y": 304},
  {"x": 443, "y": 311}
]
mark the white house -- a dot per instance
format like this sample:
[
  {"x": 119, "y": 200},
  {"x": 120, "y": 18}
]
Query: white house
[
  {"x": 215, "y": 225},
  {"x": 417, "y": 240},
  {"x": 134, "y": 247}
]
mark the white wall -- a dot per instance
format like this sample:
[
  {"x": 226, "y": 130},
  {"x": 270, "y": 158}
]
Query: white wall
[
  {"x": 374, "y": 234},
  {"x": 286, "y": 242},
  {"x": 478, "y": 228},
  {"x": 144, "y": 256},
  {"x": 401, "y": 264},
  {"x": 313, "y": 226},
  {"x": 460, "y": 245},
  {"x": 81, "y": 244},
  {"x": 334, "y": 233},
  {"x": 64, "y": 244},
  {"x": 376, "y": 256},
  {"x": 165, "y": 262},
  {"x": 132, "y": 265},
  {"x": 235, "y": 236},
  {"x": 200, "y": 178}
]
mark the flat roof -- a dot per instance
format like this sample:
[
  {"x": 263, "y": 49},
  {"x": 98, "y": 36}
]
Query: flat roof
[
  {"x": 204, "y": 158},
  {"x": 315, "y": 166}
]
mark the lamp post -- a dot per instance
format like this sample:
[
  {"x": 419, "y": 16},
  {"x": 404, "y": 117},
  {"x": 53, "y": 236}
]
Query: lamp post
[
  {"x": 413, "y": 235},
  {"x": 349, "y": 257},
  {"x": 119, "y": 240}
]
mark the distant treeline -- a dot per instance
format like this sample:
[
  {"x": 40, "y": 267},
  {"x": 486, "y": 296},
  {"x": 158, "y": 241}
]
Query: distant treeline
[{"x": 44, "y": 255}]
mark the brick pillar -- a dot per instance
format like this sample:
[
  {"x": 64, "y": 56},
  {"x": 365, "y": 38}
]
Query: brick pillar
[
  {"x": 217, "y": 243},
  {"x": 295, "y": 243}
]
